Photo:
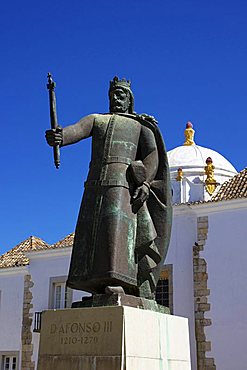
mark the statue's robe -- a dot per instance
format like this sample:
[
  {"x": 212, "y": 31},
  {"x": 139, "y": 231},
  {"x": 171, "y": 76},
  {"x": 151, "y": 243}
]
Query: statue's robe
[{"x": 108, "y": 232}]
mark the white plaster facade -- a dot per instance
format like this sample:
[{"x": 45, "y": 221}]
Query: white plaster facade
[
  {"x": 226, "y": 257},
  {"x": 180, "y": 256},
  {"x": 11, "y": 306},
  {"x": 44, "y": 266},
  {"x": 223, "y": 250}
]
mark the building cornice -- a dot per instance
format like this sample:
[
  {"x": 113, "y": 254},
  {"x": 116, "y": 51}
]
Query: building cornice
[
  {"x": 48, "y": 253},
  {"x": 17, "y": 270},
  {"x": 210, "y": 207}
]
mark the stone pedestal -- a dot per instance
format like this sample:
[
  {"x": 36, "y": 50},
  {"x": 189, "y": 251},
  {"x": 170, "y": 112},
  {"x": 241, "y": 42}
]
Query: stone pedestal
[{"x": 113, "y": 338}]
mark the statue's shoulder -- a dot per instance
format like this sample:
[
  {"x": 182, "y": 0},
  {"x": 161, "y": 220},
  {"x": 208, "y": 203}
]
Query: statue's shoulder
[
  {"x": 105, "y": 117},
  {"x": 97, "y": 115},
  {"x": 100, "y": 117}
]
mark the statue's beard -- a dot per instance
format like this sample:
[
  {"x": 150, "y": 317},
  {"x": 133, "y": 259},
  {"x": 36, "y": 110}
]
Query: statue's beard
[{"x": 118, "y": 108}]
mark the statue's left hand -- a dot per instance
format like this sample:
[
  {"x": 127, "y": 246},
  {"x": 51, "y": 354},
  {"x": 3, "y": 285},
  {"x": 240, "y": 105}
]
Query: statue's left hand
[
  {"x": 140, "y": 196},
  {"x": 149, "y": 118}
]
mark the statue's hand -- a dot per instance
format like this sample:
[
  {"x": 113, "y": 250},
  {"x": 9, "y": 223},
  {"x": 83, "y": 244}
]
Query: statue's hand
[
  {"x": 140, "y": 196},
  {"x": 55, "y": 136}
]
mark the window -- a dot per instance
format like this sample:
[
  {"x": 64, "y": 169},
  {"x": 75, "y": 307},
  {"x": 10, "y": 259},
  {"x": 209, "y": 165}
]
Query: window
[
  {"x": 8, "y": 361},
  {"x": 58, "y": 301},
  {"x": 60, "y": 296},
  {"x": 164, "y": 290}
]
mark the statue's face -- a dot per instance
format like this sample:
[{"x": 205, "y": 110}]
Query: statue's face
[{"x": 119, "y": 101}]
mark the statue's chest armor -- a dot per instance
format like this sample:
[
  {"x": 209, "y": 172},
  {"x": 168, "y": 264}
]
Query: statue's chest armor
[{"x": 115, "y": 136}]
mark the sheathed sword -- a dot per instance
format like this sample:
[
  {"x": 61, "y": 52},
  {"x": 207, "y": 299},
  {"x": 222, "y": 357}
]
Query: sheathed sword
[{"x": 53, "y": 115}]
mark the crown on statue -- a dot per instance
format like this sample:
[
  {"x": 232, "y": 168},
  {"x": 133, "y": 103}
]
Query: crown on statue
[{"x": 116, "y": 83}]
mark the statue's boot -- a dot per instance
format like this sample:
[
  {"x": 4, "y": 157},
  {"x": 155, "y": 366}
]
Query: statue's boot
[{"x": 114, "y": 289}]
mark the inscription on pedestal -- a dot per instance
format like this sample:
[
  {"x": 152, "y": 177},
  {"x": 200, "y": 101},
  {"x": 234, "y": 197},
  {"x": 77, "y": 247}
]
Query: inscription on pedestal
[{"x": 82, "y": 331}]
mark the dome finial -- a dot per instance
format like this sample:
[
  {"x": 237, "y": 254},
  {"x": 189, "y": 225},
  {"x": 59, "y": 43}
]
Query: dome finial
[{"x": 189, "y": 134}]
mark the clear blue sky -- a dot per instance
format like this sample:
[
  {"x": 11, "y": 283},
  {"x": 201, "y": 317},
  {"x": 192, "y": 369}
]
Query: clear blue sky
[{"x": 187, "y": 60}]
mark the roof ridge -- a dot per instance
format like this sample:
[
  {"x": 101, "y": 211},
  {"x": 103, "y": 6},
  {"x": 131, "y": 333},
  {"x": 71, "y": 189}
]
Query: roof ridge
[
  {"x": 16, "y": 255},
  {"x": 67, "y": 241}
]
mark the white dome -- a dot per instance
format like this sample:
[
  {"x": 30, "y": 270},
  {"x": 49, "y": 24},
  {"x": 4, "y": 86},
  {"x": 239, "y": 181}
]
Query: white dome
[
  {"x": 192, "y": 183},
  {"x": 192, "y": 160}
]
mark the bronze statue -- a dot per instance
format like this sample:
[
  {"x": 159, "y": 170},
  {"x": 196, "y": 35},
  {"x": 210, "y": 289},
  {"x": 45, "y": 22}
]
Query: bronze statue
[{"x": 123, "y": 228}]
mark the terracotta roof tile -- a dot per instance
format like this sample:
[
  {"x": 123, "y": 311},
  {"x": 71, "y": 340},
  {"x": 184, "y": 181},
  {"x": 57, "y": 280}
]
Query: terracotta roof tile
[
  {"x": 16, "y": 256},
  {"x": 66, "y": 242},
  {"x": 234, "y": 188}
]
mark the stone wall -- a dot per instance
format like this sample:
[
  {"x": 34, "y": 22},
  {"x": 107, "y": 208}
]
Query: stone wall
[
  {"x": 201, "y": 293},
  {"x": 27, "y": 320}
]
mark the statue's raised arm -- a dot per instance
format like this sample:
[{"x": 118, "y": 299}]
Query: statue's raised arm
[{"x": 71, "y": 134}]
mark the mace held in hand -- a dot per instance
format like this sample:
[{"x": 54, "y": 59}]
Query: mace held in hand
[{"x": 53, "y": 116}]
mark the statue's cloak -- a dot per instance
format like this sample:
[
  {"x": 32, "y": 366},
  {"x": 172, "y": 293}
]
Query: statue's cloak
[{"x": 159, "y": 203}]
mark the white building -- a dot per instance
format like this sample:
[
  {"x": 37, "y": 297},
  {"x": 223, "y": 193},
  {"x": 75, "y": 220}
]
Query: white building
[
  {"x": 204, "y": 276},
  {"x": 32, "y": 279},
  {"x": 208, "y": 255}
]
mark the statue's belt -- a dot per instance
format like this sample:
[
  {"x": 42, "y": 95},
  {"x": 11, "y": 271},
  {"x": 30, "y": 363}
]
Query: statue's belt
[
  {"x": 110, "y": 182},
  {"x": 113, "y": 159}
]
